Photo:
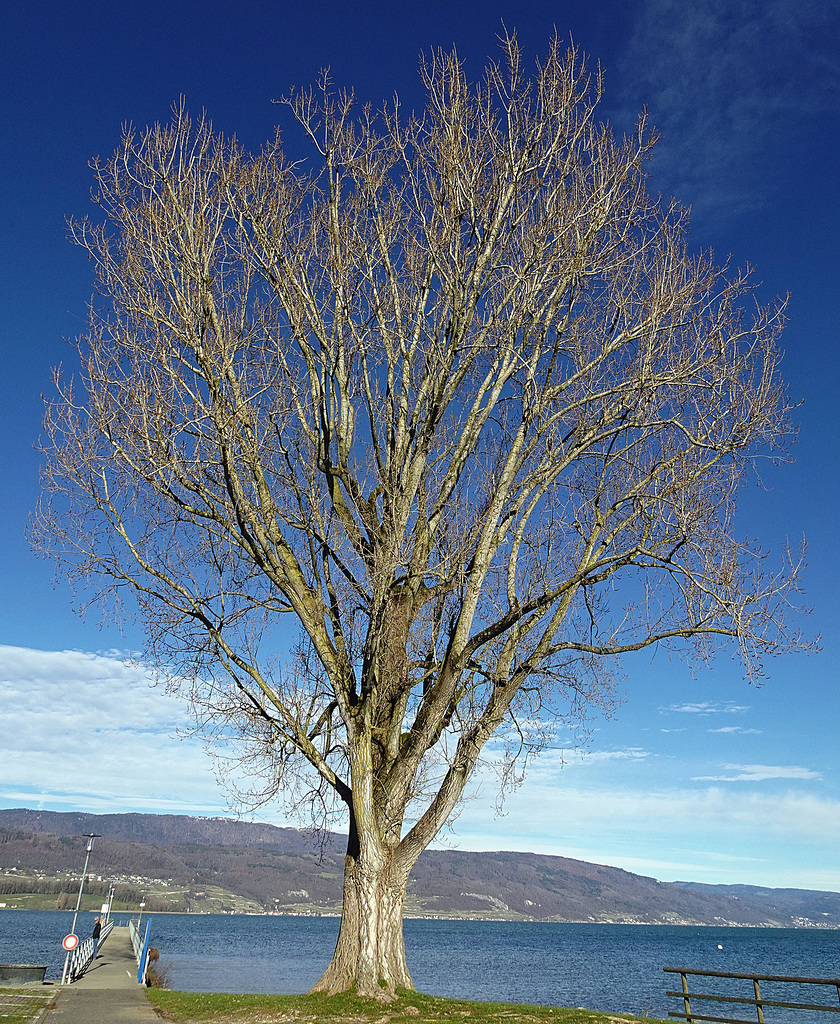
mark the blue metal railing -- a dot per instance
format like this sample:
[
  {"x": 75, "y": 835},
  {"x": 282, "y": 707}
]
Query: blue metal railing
[{"x": 141, "y": 947}]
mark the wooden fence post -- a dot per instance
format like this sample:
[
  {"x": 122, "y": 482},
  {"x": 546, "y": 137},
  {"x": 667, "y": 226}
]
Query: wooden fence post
[
  {"x": 758, "y": 1007},
  {"x": 685, "y": 997}
]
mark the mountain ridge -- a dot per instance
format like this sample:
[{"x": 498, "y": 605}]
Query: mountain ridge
[{"x": 272, "y": 868}]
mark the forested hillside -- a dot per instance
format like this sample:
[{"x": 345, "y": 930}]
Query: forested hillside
[{"x": 186, "y": 863}]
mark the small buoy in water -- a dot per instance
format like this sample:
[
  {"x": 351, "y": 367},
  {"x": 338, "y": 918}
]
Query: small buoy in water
[{"x": 719, "y": 946}]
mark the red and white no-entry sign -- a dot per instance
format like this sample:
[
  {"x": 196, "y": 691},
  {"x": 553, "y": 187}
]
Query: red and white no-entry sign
[{"x": 70, "y": 941}]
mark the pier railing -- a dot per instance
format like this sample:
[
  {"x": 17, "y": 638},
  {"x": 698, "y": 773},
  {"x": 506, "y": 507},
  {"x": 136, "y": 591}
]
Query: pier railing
[
  {"x": 136, "y": 940},
  {"x": 140, "y": 942},
  {"x": 82, "y": 956},
  {"x": 756, "y": 1000}
]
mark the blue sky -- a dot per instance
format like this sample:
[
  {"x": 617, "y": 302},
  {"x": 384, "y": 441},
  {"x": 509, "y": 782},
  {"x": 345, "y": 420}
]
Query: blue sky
[{"x": 696, "y": 776}]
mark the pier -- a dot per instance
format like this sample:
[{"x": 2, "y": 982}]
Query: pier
[{"x": 108, "y": 992}]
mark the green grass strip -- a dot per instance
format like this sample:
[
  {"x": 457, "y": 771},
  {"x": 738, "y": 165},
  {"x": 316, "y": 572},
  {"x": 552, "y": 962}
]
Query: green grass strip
[{"x": 348, "y": 1008}]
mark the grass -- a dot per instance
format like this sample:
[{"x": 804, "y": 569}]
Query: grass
[
  {"x": 408, "y": 1008},
  {"x": 20, "y": 1005}
]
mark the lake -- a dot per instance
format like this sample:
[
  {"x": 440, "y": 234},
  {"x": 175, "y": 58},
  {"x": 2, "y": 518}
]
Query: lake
[{"x": 614, "y": 968}]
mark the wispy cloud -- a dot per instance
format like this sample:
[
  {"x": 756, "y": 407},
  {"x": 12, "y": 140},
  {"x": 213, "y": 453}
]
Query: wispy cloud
[
  {"x": 705, "y": 708},
  {"x": 622, "y": 754},
  {"x": 736, "y": 730},
  {"x": 90, "y": 731},
  {"x": 567, "y": 811},
  {"x": 555, "y": 762},
  {"x": 703, "y": 833},
  {"x": 723, "y": 81},
  {"x": 760, "y": 773}
]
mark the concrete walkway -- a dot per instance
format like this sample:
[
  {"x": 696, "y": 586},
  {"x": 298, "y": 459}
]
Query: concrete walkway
[{"x": 107, "y": 993}]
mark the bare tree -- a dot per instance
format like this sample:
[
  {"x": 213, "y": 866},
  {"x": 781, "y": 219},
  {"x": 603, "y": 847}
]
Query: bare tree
[{"x": 456, "y": 397}]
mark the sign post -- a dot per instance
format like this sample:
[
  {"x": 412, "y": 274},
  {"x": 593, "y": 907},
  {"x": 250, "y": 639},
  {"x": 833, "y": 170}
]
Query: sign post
[
  {"x": 69, "y": 942},
  {"x": 91, "y": 836}
]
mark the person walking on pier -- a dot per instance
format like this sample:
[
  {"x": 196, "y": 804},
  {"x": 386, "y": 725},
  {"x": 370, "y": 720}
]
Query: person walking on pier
[{"x": 97, "y": 928}]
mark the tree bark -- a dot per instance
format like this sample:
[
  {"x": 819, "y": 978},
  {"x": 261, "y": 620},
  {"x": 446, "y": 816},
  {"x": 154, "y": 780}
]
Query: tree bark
[{"x": 370, "y": 951}]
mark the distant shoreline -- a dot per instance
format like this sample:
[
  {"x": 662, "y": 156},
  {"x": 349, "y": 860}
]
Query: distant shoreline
[{"x": 813, "y": 926}]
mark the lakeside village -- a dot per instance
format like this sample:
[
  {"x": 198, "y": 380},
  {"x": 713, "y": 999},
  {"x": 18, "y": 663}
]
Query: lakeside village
[{"x": 23, "y": 890}]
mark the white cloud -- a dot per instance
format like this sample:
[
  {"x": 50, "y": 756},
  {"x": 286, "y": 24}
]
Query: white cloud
[
  {"x": 736, "y": 729},
  {"x": 90, "y": 731},
  {"x": 705, "y": 707},
  {"x": 623, "y": 754},
  {"x": 723, "y": 83},
  {"x": 760, "y": 773},
  {"x": 86, "y": 731},
  {"x": 707, "y": 832},
  {"x": 555, "y": 764},
  {"x": 667, "y": 819}
]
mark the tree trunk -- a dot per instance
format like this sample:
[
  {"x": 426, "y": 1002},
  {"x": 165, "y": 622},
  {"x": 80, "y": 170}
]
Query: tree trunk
[{"x": 370, "y": 952}]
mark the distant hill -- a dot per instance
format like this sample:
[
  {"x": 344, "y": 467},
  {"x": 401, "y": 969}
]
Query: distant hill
[
  {"x": 157, "y": 829},
  {"x": 184, "y": 860}
]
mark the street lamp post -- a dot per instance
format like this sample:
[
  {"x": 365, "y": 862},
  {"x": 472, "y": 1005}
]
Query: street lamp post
[
  {"x": 90, "y": 836},
  {"x": 111, "y": 891}
]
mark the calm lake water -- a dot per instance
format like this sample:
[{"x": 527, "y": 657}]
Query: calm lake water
[{"x": 614, "y": 968}]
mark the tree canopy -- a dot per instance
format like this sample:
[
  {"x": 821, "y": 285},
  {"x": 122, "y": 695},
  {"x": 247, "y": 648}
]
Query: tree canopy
[{"x": 455, "y": 396}]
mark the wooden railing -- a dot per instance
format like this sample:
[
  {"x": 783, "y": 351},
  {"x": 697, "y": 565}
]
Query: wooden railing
[{"x": 756, "y": 1000}]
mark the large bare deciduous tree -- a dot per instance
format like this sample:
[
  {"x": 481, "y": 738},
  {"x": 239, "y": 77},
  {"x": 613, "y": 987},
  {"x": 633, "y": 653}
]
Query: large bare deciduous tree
[{"x": 455, "y": 397}]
